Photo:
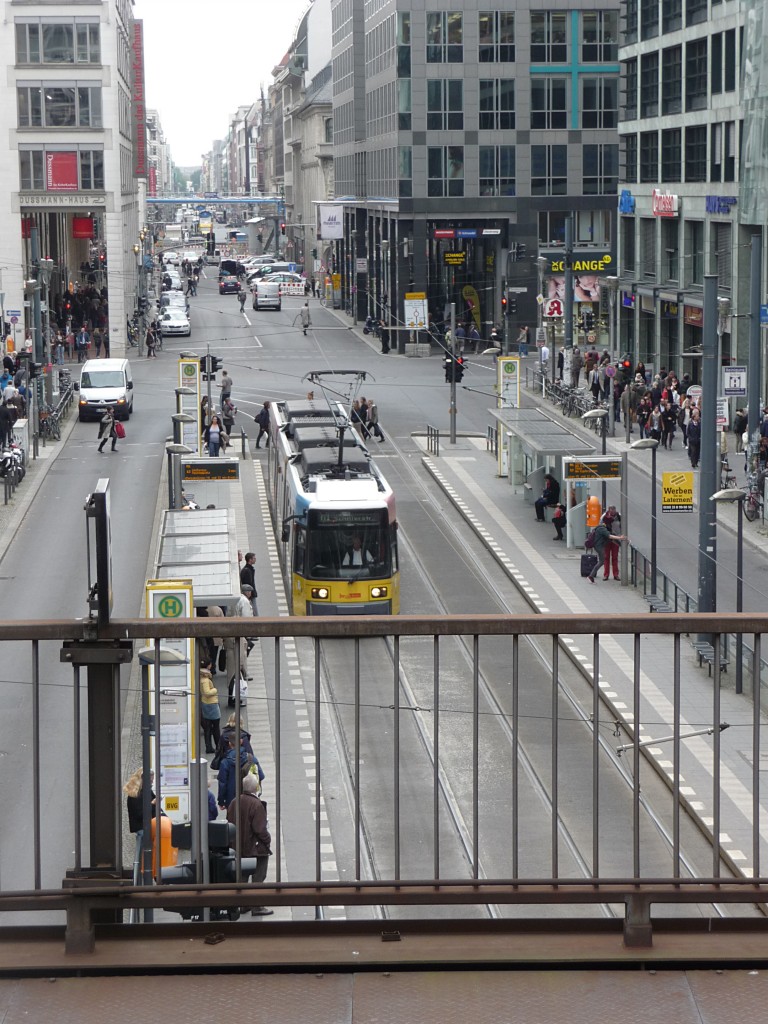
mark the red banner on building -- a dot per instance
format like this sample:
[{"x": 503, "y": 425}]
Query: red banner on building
[
  {"x": 152, "y": 181},
  {"x": 61, "y": 172},
  {"x": 82, "y": 227}
]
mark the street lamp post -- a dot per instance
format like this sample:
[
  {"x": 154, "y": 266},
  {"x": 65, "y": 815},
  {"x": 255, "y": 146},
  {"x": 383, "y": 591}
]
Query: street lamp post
[
  {"x": 642, "y": 445},
  {"x": 612, "y": 284},
  {"x": 734, "y": 495},
  {"x": 602, "y": 415}
]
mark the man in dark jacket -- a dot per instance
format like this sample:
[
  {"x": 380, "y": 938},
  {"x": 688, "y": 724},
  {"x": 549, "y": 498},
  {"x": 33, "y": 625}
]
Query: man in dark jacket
[
  {"x": 228, "y": 770},
  {"x": 262, "y": 418},
  {"x": 6, "y": 425},
  {"x": 255, "y": 840}
]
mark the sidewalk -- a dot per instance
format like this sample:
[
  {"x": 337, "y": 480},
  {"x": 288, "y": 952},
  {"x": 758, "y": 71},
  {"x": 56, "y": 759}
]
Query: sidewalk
[{"x": 548, "y": 577}]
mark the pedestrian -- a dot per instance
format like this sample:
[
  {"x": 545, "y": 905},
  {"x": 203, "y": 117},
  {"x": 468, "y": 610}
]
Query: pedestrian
[
  {"x": 474, "y": 338},
  {"x": 212, "y": 436},
  {"x": 6, "y": 425},
  {"x": 254, "y": 839},
  {"x": 739, "y": 426},
  {"x": 373, "y": 421},
  {"x": 461, "y": 335},
  {"x": 694, "y": 438},
  {"x": 576, "y": 363},
  {"x": 228, "y": 413},
  {"x": 559, "y": 520},
  {"x": 204, "y": 413},
  {"x": 82, "y": 343},
  {"x": 644, "y": 411},
  {"x": 97, "y": 341},
  {"x": 243, "y": 610},
  {"x": 248, "y": 577},
  {"x": 105, "y": 339},
  {"x": 549, "y": 497},
  {"x": 151, "y": 343},
  {"x": 312, "y": 285},
  {"x": 242, "y": 295},
  {"x": 357, "y": 420},
  {"x": 210, "y": 712},
  {"x": 262, "y": 418},
  {"x": 306, "y": 318},
  {"x": 134, "y": 805},
  {"x": 669, "y": 423},
  {"x": 522, "y": 340},
  {"x": 560, "y": 361},
  {"x": 607, "y": 545},
  {"x": 70, "y": 343},
  {"x": 655, "y": 424},
  {"x": 190, "y": 286},
  {"x": 226, "y": 386},
  {"x": 230, "y": 764},
  {"x": 227, "y": 734},
  {"x": 107, "y": 429},
  {"x": 59, "y": 348}
]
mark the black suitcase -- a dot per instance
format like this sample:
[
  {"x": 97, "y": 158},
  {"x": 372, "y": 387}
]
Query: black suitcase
[{"x": 588, "y": 563}]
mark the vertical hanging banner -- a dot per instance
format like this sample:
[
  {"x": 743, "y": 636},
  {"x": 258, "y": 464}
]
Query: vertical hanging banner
[
  {"x": 138, "y": 102},
  {"x": 176, "y": 717},
  {"x": 189, "y": 377}
]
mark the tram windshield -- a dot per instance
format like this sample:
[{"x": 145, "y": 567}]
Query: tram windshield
[{"x": 343, "y": 544}]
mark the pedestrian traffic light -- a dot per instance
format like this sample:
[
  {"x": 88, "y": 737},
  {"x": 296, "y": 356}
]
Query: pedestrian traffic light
[
  {"x": 447, "y": 364},
  {"x": 282, "y": 227},
  {"x": 459, "y": 369}
]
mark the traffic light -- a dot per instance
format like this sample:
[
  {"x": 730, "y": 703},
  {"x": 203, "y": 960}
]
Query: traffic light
[
  {"x": 447, "y": 363},
  {"x": 512, "y": 304},
  {"x": 67, "y": 306},
  {"x": 143, "y": 304},
  {"x": 625, "y": 369},
  {"x": 459, "y": 369},
  {"x": 33, "y": 369},
  {"x": 216, "y": 362},
  {"x": 503, "y": 305},
  {"x": 314, "y": 254},
  {"x": 282, "y": 227},
  {"x": 589, "y": 322}
]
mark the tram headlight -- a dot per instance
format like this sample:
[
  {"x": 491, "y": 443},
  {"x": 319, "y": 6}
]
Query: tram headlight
[
  {"x": 320, "y": 593},
  {"x": 379, "y": 591}
]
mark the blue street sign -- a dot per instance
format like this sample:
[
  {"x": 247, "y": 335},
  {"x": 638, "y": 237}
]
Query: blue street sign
[{"x": 764, "y": 314}]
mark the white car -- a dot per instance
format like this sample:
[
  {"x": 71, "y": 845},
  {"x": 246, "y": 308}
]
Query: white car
[
  {"x": 175, "y": 321},
  {"x": 284, "y": 277},
  {"x": 175, "y": 280},
  {"x": 171, "y": 257},
  {"x": 174, "y": 300}
]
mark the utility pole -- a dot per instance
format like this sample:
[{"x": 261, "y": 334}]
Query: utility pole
[
  {"x": 453, "y": 373},
  {"x": 568, "y": 311},
  {"x": 37, "y": 337},
  {"x": 755, "y": 374},
  {"x": 710, "y": 453}
]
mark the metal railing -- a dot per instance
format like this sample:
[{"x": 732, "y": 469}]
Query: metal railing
[
  {"x": 476, "y": 725},
  {"x": 433, "y": 440},
  {"x": 492, "y": 439}
]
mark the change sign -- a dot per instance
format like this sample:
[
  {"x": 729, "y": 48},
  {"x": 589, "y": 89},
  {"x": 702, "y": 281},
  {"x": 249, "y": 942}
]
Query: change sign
[{"x": 677, "y": 492}]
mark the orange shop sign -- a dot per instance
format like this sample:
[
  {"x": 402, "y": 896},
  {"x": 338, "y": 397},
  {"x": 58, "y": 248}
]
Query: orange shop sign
[{"x": 693, "y": 315}]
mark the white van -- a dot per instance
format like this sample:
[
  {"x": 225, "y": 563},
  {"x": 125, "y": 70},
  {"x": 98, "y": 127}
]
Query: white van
[
  {"x": 267, "y": 294},
  {"x": 103, "y": 383}
]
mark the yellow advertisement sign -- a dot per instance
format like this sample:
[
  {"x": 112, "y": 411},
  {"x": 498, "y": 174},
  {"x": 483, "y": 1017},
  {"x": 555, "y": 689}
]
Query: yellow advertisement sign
[{"x": 677, "y": 492}]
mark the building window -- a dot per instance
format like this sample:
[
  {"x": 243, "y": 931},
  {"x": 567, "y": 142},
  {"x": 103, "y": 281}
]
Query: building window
[
  {"x": 496, "y": 30},
  {"x": 671, "y": 154},
  {"x": 696, "y": 75},
  {"x": 630, "y": 89},
  {"x": 649, "y": 19},
  {"x": 696, "y": 153},
  {"x": 404, "y": 44},
  {"x": 497, "y": 170},
  {"x": 551, "y": 227},
  {"x": 630, "y": 21},
  {"x": 59, "y": 106},
  {"x": 549, "y": 170},
  {"x": 716, "y": 67},
  {"x": 72, "y": 42},
  {"x": 404, "y": 104},
  {"x": 601, "y": 170},
  {"x": 630, "y": 159},
  {"x": 649, "y": 85},
  {"x": 722, "y": 253},
  {"x": 497, "y": 103},
  {"x": 548, "y": 103},
  {"x": 327, "y": 130},
  {"x": 31, "y": 168},
  {"x": 600, "y": 36},
  {"x": 91, "y": 169},
  {"x": 405, "y": 172},
  {"x": 445, "y": 104},
  {"x": 649, "y": 157},
  {"x": 723, "y": 152},
  {"x": 444, "y": 37},
  {"x": 672, "y": 80},
  {"x": 670, "y": 248},
  {"x": 548, "y": 37},
  {"x": 648, "y": 246},
  {"x": 730, "y": 60},
  {"x": 628, "y": 249},
  {"x": 599, "y": 102},
  {"x": 693, "y": 264},
  {"x": 671, "y": 15},
  {"x": 445, "y": 171},
  {"x": 695, "y": 12}
]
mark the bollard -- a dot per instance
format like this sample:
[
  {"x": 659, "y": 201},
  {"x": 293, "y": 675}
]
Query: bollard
[{"x": 242, "y": 442}]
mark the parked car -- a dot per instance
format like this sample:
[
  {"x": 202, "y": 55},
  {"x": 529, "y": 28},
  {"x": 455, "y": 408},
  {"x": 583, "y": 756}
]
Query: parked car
[
  {"x": 228, "y": 285},
  {"x": 171, "y": 257},
  {"x": 175, "y": 280},
  {"x": 267, "y": 294},
  {"x": 283, "y": 277},
  {"x": 175, "y": 321},
  {"x": 174, "y": 300}
]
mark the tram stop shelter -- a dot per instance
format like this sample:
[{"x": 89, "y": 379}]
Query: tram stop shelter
[
  {"x": 200, "y": 545},
  {"x": 531, "y": 444}
]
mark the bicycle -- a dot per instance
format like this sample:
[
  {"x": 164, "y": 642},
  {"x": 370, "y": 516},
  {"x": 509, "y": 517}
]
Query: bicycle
[
  {"x": 727, "y": 476},
  {"x": 49, "y": 427}
]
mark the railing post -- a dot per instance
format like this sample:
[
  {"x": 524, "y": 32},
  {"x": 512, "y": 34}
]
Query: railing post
[
  {"x": 638, "y": 930},
  {"x": 80, "y": 932}
]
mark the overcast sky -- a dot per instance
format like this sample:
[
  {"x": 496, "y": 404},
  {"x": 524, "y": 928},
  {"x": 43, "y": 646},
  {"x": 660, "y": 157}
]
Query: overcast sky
[{"x": 205, "y": 58}]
